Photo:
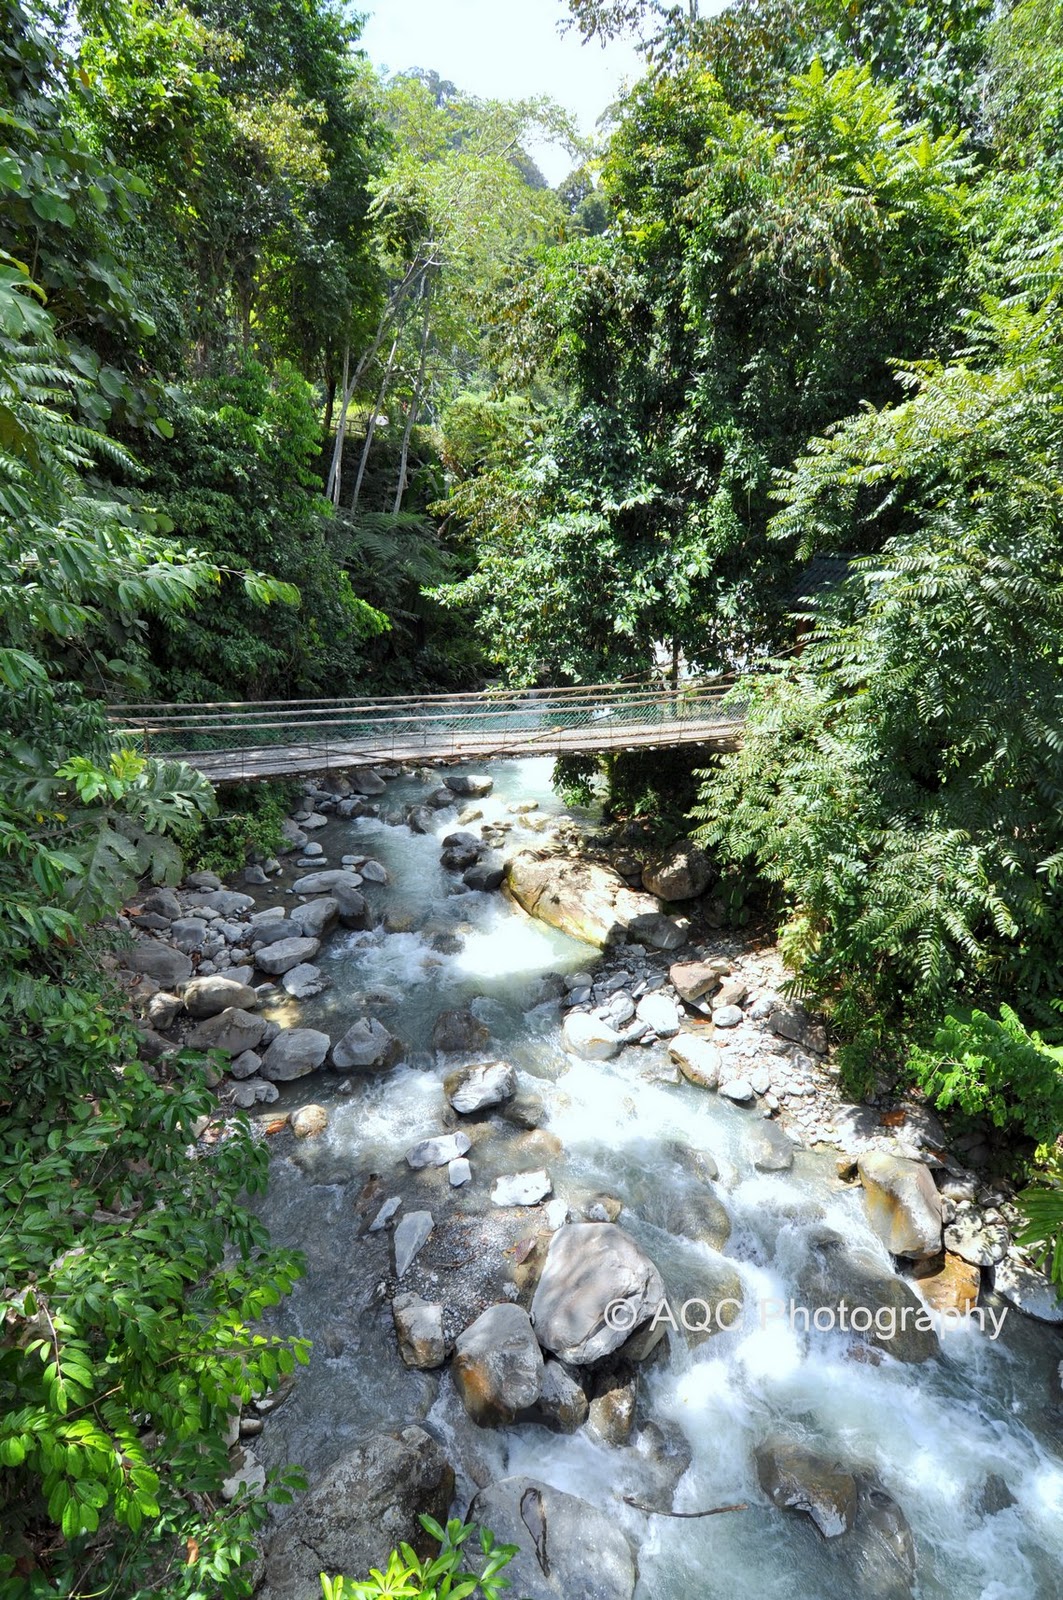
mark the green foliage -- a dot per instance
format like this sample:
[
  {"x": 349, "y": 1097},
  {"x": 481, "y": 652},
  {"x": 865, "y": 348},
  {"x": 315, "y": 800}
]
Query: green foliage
[
  {"x": 246, "y": 827},
  {"x": 994, "y": 1069},
  {"x": 1042, "y": 1205},
  {"x": 439, "y": 1578}
]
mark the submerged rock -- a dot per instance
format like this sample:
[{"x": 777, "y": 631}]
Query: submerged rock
[
  {"x": 796, "y": 1479},
  {"x": 459, "y": 1029}
]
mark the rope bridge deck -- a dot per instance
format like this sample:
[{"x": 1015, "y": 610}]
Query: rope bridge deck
[{"x": 250, "y": 739}]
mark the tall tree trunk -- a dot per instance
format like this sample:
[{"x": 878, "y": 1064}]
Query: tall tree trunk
[
  {"x": 415, "y": 402},
  {"x": 370, "y": 427}
]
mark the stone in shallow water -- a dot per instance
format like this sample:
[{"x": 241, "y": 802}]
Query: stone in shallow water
[
  {"x": 522, "y": 1189},
  {"x": 385, "y": 1214},
  {"x": 472, "y": 786},
  {"x": 309, "y": 1121},
  {"x": 772, "y": 1148},
  {"x": 589, "y": 1037},
  {"x": 459, "y": 1172},
  {"x": 591, "y": 1267},
  {"x": 476, "y": 1087},
  {"x": 419, "y": 1328},
  {"x": 438, "y": 1152},
  {"x": 498, "y": 1366},
  {"x": 365, "y": 1045},
  {"x": 567, "y": 1548},
  {"x": 294, "y": 1053},
  {"x": 409, "y": 1238},
  {"x": 799, "y": 1480},
  {"x": 304, "y": 981}
]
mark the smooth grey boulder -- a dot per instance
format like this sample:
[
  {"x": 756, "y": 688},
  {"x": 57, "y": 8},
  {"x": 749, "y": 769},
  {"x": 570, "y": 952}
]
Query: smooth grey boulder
[
  {"x": 498, "y": 1366},
  {"x": 245, "y": 1065},
  {"x": 317, "y": 917},
  {"x": 590, "y": 1268},
  {"x": 459, "y": 1029},
  {"x": 203, "y": 880},
  {"x": 274, "y": 931},
  {"x": 567, "y": 1548},
  {"x": 837, "y": 1275},
  {"x": 477, "y": 1087},
  {"x": 373, "y": 871},
  {"x": 486, "y": 874},
  {"x": 419, "y": 1330},
  {"x": 352, "y": 1518},
  {"x": 294, "y": 1053},
  {"x": 366, "y": 1045},
  {"x": 469, "y": 785},
  {"x": 589, "y": 1037},
  {"x": 304, "y": 981},
  {"x": 327, "y": 881},
  {"x": 188, "y": 934},
  {"x": 903, "y": 1204},
  {"x": 365, "y": 780},
  {"x": 159, "y": 961},
  {"x": 437, "y": 1152},
  {"x": 276, "y": 959},
  {"x": 163, "y": 903},
  {"x": 354, "y": 909},
  {"x": 205, "y": 997},
  {"x": 232, "y": 1032}
]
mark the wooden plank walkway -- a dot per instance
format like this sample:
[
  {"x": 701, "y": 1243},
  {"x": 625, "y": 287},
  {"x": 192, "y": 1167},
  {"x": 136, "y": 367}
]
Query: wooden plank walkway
[{"x": 265, "y": 739}]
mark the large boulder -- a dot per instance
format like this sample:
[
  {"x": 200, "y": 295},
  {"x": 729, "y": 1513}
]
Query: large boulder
[
  {"x": 598, "y": 1291},
  {"x": 796, "y": 1479},
  {"x": 475, "y": 1088},
  {"x": 159, "y": 961},
  {"x": 693, "y": 980},
  {"x": 682, "y": 873},
  {"x": 772, "y": 1148},
  {"x": 279, "y": 958},
  {"x": 903, "y": 1204},
  {"x": 364, "y": 1506},
  {"x": 365, "y": 1047},
  {"x": 850, "y": 1281},
  {"x": 486, "y": 874},
  {"x": 459, "y": 1030},
  {"x": 589, "y": 1037},
  {"x": 470, "y": 785},
  {"x": 567, "y": 1548},
  {"x": 205, "y": 997},
  {"x": 317, "y": 916},
  {"x": 498, "y": 1366},
  {"x": 1028, "y": 1291},
  {"x": 232, "y": 1031},
  {"x": 588, "y": 901},
  {"x": 364, "y": 780},
  {"x": 294, "y": 1053},
  {"x": 950, "y": 1284}
]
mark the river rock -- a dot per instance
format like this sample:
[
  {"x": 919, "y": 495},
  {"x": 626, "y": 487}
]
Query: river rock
[
  {"x": 562, "y": 1404},
  {"x": 420, "y": 819},
  {"x": 796, "y": 1479},
  {"x": 411, "y": 1233},
  {"x": 245, "y": 1065},
  {"x": 274, "y": 931},
  {"x": 419, "y": 1329},
  {"x": 226, "y": 902},
  {"x": 589, "y": 1267},
  {"x": 459, "y": 1029},
  {"x": 697, "y": 1059},
  {"x": 162, "y": 903},
  {"x": 772, "y": 1149},
  {"x": 983, "y": 1244},
  {"x": 835, "y": 1275},
  {"x": 903, "y": 1205},
  {"x": 317, "y": 917},
  {"x": 233, "y": 1032},
  {"x": 589, "y": 1037},
  {"x": 611, "y": 1411},
  {"x": 521, "y": 1189},
  {"x": 253, "y": 1092},
  {"x": 293, "y": 836},
  {"x": 365, "y": 780},
  {"x": 879, "y": 1554},
  {"x": 203, "y": 880},
  {"x": 475, "y": 1088},
  {"x": 304, "y": 981},
  {"x": 459, "y": 1172},
  {"x": 727, "y": 1016},
  {"x": 164, "y": 1009},
  {"x": 366, "y": 1045},
  {"x": 1030, "y": 1292},
  {"x": 354, "y": 908},
  {"x": 486, "y": 874},
  {"x": 471, "y": 786},
  {"x": 693, "y": 980},
  {"x": 567, "y": 1548},
  {"x": 294, "y": 1053},
  {"x": 353, "y": 1517},
  {"x": 167, "y": 966},
  {"x": 205, "y": 997},
  {"x": 281, "y": 957},
  {"x": 588, "y": 901},
  {"x": 740, "y": 1090},
  {"x": 309, "y": 1121},
  {"x": 655, "y": 931},
  {"x": 437, "y": 1152},
  {"x": 682, "y": 873},
  {"x": 498, "y": 1366},
  {"x": 952, "y": 1284},
  {"x": 660, "y": 1013},
  {"x": 373, "y": 871},
  {"x": 328, "y": 881}
]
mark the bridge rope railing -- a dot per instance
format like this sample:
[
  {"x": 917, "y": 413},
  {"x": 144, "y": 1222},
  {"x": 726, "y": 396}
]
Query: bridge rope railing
[{"x": 398, "y": 726}]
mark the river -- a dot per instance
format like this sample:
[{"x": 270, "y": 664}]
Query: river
[{"x": 943, "y": 1438}]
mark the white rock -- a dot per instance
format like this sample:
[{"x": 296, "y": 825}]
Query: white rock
[
  {"x": 660, "y": 1014},
  {"x": 459, "y": 1172},
  {"x": 409, "y": 1238},
  {"x": 737, "y": 1089},
  {"x": 522, "y": 1189},
  {"x": 589, "y": 1037},
  {"x": 438, "y": 1152}
]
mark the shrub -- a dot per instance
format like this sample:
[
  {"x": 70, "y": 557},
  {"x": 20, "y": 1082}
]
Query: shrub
[
  {"x": 438, "y": 1578},
  {"x": 994, "y": 1069}
]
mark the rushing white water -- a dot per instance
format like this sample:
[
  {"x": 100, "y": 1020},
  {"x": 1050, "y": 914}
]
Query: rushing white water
[{"x": 931, "y": 1434}]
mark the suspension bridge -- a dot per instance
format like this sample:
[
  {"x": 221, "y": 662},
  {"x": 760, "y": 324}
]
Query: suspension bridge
[{"x": 249, "y": 739}]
